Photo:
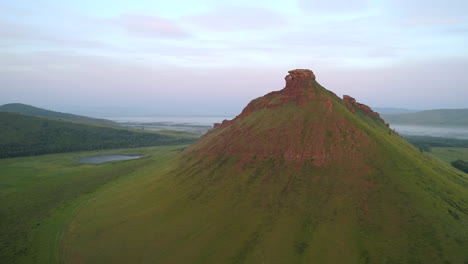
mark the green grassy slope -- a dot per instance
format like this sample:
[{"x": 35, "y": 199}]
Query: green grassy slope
[
  {"x": 438, "y": 117},
  {"x": 364, "y": 196},
  {"x": 35, "y": 111},
  {"x": 22, "y": 135},
  {"x": 38, "y": 196}
]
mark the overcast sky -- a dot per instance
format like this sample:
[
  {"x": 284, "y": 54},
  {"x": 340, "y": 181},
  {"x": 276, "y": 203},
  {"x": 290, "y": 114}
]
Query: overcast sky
[{"x": 211, "y": 57}]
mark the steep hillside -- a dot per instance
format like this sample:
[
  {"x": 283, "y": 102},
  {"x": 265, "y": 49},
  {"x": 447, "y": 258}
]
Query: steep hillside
[
  {"x": 439, "y": 117},
  {"x": 300, "y": 176},
  {"x": 23, "y": 135},
  {"x": 35, "y": 111}
]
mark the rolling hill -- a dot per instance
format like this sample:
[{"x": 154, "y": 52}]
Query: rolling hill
[
  {"x": 438, "y": 117},
  {"x": 24, "y": 135},
  {"x": 300, "y": 176},
  {"x": 35, "y": 111}
]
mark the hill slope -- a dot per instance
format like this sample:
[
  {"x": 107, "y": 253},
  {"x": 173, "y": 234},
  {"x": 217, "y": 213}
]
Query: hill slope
[
  {"x": 300, "y": 176},
  {"x": 35, "y": 111},
  {"x": 438, "y": 117},
  {"x": 23, "y": 135}
]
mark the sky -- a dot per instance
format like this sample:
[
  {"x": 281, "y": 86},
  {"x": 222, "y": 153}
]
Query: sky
[{"x": 211, "y": 57}]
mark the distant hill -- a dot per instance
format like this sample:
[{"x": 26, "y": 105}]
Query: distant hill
[
  {"x": 24, "y": 135},
  {"x": 31, "y": 110},
  {"x": 391, "y": 110},
  {"x": 438, "y": 117}
]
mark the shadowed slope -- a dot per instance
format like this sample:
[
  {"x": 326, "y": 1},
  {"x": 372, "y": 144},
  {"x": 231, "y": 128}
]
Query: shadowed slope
[{"x": 300, "y": 176}]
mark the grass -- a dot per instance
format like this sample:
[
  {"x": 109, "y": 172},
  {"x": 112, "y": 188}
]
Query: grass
[
  {"x": 446, "y": 150},
  {"x": 425, "y": 143},
  {"x": 39, "y": 195},
  {"x": 447, "y": 154},
  {"x": 386, "y": 203},
  {"x": 371, "y": 197}
]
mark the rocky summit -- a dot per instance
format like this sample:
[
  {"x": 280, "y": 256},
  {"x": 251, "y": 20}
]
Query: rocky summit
[
  {"x": 313, "y": 129},
  {"x": 299, "y": 176}
]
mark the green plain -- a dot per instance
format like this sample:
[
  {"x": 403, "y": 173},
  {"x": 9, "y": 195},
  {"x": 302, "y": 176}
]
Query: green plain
[{"x": 447, "y": 154}]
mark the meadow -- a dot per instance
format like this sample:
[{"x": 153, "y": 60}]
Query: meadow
[
  {"x": 40, "y": 194},
  {"x": 449, "y": 154}
]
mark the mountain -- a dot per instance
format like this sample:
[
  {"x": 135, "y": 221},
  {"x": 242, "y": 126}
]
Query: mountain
[
  {"x": 35, "y": 111},
  {"x": 438, "y": 117},
  {"x": 300, "y": 176},
  {"x": 24, "y": 135}
]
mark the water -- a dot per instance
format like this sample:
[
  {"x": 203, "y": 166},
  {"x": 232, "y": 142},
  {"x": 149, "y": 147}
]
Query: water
[
  {"x": 106, "y": 158},
  {"x": 448, "y": 132},
  {"x": 173, "y": 120}
]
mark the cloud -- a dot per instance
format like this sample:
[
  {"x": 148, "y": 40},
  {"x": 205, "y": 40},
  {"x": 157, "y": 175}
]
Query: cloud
[
  {"x": 147, "y": 26},
  {"x": 18, "y": 34},
  {"x": 96, "y": 80},
  {"x": 424, "y": 12},
  {"x": 422, "y": 84},
  {"x": 237, "y": 18},
  {"x": 333, "y": 6}
]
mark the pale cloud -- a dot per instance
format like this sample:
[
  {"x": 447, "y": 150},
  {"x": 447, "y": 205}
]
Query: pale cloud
[
  {"x": 333, "y": 6},
  {"x": 426, "y": 13},
  {"x": 420, "y": 84},
  {"x": 148, "y": 26},
  {"x": 385, "y": 53},
  {"x": 97, "y": 80},
  {"x": 237, "y": 18},
  {"x": 16, "y": 35}
]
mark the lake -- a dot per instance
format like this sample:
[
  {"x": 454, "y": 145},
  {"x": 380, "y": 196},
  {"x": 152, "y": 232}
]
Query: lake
[
  {"x": 106, "y": 158},
  {"x": 173, "y": 120}
]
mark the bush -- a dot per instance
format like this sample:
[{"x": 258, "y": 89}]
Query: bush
[{"x": 461, "y": 165}]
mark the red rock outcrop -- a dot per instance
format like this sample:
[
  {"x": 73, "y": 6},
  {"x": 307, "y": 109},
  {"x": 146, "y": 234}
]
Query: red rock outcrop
[
  {"x": 298, "y": 88},
  {"x": 352, "y": 104}
]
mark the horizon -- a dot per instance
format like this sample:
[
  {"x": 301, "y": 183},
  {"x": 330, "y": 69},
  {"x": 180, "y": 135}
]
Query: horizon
[
  {"x": 116, "y": 113},
  {"x": 212, "y": 58}
]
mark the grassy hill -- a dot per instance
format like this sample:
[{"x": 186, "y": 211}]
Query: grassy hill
[
  {"x": 23, "y": 135},
  {"x": 35, "y": 111},
  {"x": 439, "y": 117},
  {"x": 300, "y": 176}
]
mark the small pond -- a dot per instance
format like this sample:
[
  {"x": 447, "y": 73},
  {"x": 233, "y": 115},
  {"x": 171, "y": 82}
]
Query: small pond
[{"x": 106, "y": 158}]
